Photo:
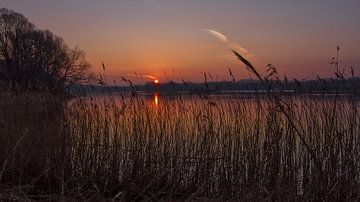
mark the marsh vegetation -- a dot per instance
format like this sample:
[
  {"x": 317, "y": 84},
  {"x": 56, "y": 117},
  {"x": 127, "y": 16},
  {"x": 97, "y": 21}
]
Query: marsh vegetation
[{"x": 128, "y": 147}]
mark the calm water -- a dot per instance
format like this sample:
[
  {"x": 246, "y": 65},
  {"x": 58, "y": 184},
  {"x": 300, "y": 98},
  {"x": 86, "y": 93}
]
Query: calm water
[{"x": 157, "y": 99}]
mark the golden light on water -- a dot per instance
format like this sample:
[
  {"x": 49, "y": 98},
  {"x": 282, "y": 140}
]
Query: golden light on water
[{"x": 156, "y": 99}]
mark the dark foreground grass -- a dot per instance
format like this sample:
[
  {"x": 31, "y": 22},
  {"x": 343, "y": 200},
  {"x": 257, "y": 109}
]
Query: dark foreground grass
[
  {"x": 210, "y": 148},
  {"x": 272, "y": 147}
]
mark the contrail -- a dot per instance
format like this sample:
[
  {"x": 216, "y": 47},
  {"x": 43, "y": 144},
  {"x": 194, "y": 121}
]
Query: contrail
[
  {"x": 242, "y": 50},
  {"x": 217, "y": 34},
  {"x": 142, "y": 76},
  {"x": 233, "y": 46}
]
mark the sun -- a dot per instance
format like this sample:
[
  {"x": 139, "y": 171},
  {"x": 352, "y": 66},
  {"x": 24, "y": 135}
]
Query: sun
[{"x": 156, "y": 81}]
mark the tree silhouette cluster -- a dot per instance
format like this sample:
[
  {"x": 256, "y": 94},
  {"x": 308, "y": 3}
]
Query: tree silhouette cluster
[{"x": 31, "y": 58}]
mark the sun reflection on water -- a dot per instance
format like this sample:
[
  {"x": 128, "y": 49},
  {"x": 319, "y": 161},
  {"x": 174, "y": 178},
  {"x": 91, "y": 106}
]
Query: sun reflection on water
[{"x": 156, "y": 99}]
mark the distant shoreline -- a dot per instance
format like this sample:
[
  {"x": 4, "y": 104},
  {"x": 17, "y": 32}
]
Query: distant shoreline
[{"x": 248, "y": 87}]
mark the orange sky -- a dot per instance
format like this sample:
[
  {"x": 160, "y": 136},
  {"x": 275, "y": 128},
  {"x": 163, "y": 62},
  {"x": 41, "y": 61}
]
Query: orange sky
[{"x": 178, "y": 40}]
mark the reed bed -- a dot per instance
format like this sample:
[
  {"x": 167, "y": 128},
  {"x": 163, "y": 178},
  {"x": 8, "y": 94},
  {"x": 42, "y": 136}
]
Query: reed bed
[
  {"x": 123, "y": 147},
  {"x": 126, "y": 148}
]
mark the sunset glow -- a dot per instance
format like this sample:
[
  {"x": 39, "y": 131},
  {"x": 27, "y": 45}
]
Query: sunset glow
[
  {"x": 183, "y": 39},
  {"x": 180, "y": 100}
]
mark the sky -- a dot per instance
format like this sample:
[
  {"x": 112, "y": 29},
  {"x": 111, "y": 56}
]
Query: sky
[{"x": 181, "y": 40}]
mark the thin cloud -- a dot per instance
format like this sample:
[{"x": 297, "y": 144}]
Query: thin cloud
[
  {"x": 231, "y": 57},
  {"x": 233, "y": 46},
  {"x": 217, "y": 34},
  {"x": 239, "y": 49},
  {"x": 228, "y": 57},
  {"x": 142, "y": 76}
]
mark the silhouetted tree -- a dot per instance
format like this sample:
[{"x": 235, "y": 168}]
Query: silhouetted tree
[{"x": 33, "y": 58}]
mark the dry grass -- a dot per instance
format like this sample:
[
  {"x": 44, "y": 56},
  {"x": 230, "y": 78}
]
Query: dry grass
[
  {"x": 112, "y": 147},
  {"x": 200, "y": 148}
]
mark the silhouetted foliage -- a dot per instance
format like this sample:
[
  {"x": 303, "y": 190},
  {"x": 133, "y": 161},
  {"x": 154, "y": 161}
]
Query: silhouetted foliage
[{"x": 34, "y": 58}]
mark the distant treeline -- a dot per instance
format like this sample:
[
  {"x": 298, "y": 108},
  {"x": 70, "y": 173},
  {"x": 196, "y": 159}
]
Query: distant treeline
[{"x": 322, "y": 86}]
